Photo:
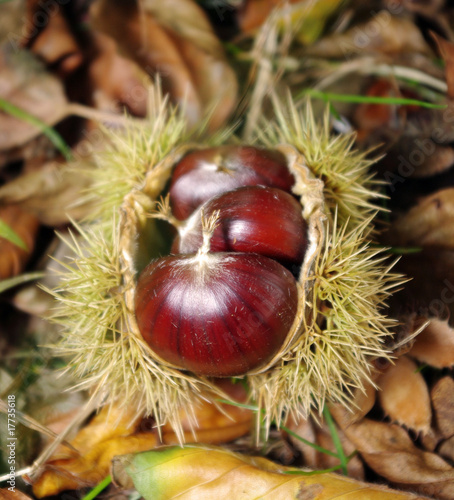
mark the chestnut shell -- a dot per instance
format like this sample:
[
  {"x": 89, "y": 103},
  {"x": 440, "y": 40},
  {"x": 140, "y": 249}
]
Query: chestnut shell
[{"x": 218, "y": 315}]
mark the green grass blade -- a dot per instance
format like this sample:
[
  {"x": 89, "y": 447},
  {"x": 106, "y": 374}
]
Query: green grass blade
[
  {"x": 336, "y": 440},
  {"x": 285, "y": 429},
  {"x": 51, "y": 133},
  {"x": 98, "y": 488},
  {"x": 360, "y": 99},
  {"x": 18, "y": 280},
  {"x": 10, "y": 235},
  {"x": 309, "y": 443}
]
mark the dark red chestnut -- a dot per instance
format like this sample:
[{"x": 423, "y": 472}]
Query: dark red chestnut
[
  {"x": 205, "y": 173},
  {"x": 216, "y": 314},
  {"x": 258, "y": 219}
]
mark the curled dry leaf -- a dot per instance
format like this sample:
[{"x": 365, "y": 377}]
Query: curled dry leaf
[
  {"x": 362, "y": 403},
  {"x": 442, "y": 395},
  {"x": 383, "y": 34},
  {"x": 115, "y": 431},
  {"x": 12, "y": 258},
  {"x": 305, "y": 429},
  {"x": 53, "y": 194},
  {"x": 404, "y": 396},
  {"x": 434, "y": 346},
  {"x": 319, "y": 433},
  {"x": 26, "y": 85},
  {"x": 446, "y": 449},
  {"x": 204, "y": 473},
  {"x": 110, "y": 433},
  {"x": 15, "y": 494},
  {"x": 116, "y": 80},
  {"x": 429, "y": 223},
  {"x": 55, "y": 43},
  {"x": 390, "y": 452},
  {"x": 179, "y": 45}
]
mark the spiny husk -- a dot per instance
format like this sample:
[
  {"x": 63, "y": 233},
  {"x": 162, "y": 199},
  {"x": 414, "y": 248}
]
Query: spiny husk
[
  {"x": 350, "y": 187},
  {"x": 345, "y": 281}
]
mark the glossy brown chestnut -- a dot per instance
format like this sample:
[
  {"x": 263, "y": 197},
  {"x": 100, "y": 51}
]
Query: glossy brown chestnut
[
  {"x": 205, "y": 173},
  {"x": 258, "y": 219},
  {"x": 220, "y": 315}
]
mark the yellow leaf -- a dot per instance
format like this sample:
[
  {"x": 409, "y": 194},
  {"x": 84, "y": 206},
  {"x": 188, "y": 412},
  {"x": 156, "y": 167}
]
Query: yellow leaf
[
  {"x": 204, "y": 473},
  {"x": 110, "y": 433}
]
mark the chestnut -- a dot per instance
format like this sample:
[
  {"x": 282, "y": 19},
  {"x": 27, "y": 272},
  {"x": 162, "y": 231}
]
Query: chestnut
[
  {"x": 257, "y": 219},
  {"x": 216, "y": 314},
  {"x": 205, "y": 173}
]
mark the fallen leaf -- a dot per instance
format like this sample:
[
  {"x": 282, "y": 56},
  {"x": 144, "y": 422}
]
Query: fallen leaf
[
  {"x": 429, "y": 223},
  {"x": 13, "y": 258},
  {"x": 404, "y": 396},
  {"x": 54, "y": 194},
  {"x": 319, "y": 434},
  {"x": 26, "y": 85},
  {"x": 383, "y": 33},
  {"x": 111, "y": 432},
  {"x": 434, "y": 346},
  {"x": 389, "y": 451},
  {"x": 55, "y": 42},
  {"x": 363, "y": 401},
  {"x": 117, "y": 82},
  {"x": 179, "y": 45},
  {"x": 202, "y": 473},
  {"x": 7, "y": 494},
  {"x": 442, "y": 395},
  {"x": 446, "y": 449},
  {"x": 115, "y": 431}
]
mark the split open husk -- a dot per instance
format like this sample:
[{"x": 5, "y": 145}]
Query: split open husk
[{"x": 341, "y": 324}]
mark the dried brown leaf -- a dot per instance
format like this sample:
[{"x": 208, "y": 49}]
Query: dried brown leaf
[
  {"x": 442, "y": 395},
  {"x": 362, "y": 403},
  {"x": 383, "y": 34},
  {"x": 12, "y": 258},
  {"x": 435, "y": 345},
  {"x": 187, "y": 21},
  {"x": 305, "y": 428},
  {"x": 110, "y": 433},
  {"x": 404, "y": 395},
  {"x": 13, "y": 494},
  {"x": 429, "y": 223},
  {"x": 26, "y": 85},
  {"x": 319, "y": 433},
  {"x": 390, "y": 452},
  {"x": 446, "y": 449},
  {"x": 53, "y": 193},
  {"x": 55, "y": 43},
  {"x": 117, "y": 81},
  {"x": 156, "y": 38}
]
